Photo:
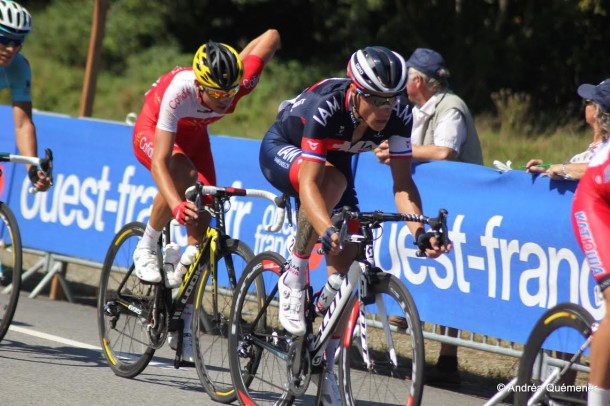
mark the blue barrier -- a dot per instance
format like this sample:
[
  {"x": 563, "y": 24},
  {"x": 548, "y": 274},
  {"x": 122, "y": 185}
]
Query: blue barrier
[{"x": 514, "y": 253}]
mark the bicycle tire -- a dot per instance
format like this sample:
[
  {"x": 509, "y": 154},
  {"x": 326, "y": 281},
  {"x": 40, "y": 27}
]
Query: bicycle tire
[
  {"x": 11, "y": 253},
  {"x": 383, "y": 383},
  {"x": 123, "y": 335},
  {"x": 211, "y": 320},
  {"x": 259, "y": 375},
  {"x": 564, "y": 327}
]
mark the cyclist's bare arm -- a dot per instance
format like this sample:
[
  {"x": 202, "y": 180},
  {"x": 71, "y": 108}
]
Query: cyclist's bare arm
[
  {"x": 25, "y": 133},
  {"x": 408, "y": 200},
  {"x": 263, "y": 46},
  {"x": 164, "y": 146}
]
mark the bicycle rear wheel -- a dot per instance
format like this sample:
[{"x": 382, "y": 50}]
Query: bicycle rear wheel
[
  {"x": 123, "y": 332},
  {"x": 554, "y": 343},
  {"x": 211, "y": 319},
  {"x": 393, "y": 374},
  {"x": 258, "y": 345},
  {"x": 10, "y": 267}
]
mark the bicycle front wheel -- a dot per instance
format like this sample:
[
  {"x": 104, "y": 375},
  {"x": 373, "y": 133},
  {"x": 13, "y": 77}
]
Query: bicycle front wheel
[
  {"x": 211, "y": 319},
  {"x": 10, "y": 267},
  {"x": 258, "y": 345},
  {"x": 122, "y": 304},
  {"x": 555, "y": 363},
  {"x": 383, "y": 363}
]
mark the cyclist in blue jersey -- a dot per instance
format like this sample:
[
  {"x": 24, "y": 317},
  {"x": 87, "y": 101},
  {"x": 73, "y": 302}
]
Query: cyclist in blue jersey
[
  {"x": 15, "y": 74},
  {"x": 307, "y": 153}
]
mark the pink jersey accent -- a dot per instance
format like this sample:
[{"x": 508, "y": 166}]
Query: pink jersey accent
[
  {"x": 591, "y": 215},
  {"x": 173, "y": 104}
]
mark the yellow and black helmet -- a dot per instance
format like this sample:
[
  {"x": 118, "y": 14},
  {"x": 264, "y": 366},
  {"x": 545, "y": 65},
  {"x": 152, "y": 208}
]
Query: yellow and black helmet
[{"x": 218, "y": 66}]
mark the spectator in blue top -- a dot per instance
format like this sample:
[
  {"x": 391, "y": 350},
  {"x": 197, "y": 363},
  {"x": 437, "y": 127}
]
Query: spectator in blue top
[{"x": 15, "y": 74}]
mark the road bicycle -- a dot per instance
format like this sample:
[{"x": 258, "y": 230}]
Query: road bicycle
[
  {"x": 134, "y": 318},
  {"x": 10, "y": 244},
  {"x": 554, "y": 368},
  {"x": 378, "y": 362}
]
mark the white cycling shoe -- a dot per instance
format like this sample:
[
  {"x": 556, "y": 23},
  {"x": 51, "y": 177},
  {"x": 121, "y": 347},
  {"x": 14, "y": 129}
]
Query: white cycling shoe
[
  {"x": 147, "y": 265},
  {"x": 292, "y": 308},
  {"x": 330, "y": 390},
  {"x": 187, "y": 345}
]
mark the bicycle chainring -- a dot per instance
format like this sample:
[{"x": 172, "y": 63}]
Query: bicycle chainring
[{"x": 299, "y": 381}]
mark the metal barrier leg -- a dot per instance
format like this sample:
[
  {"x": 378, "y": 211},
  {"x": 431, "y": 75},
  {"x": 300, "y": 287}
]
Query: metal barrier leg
[
  {"x": 55, "y": 270},
  {"x": 43, "y": 263}
]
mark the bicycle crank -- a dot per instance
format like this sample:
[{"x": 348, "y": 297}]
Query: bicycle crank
[{"x": 298, "y": 367}]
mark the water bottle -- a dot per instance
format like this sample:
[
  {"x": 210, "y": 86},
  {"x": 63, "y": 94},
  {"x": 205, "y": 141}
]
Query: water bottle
[
  {"x": 332, "y": 286},
  {"x": 188, "y": 257},
  {"x": 170, "y": 260}
]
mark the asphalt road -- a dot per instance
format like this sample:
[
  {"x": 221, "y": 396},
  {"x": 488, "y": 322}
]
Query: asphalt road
[{"x": 51, "y": 356}]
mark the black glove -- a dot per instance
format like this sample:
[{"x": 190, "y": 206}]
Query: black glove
[
  {"x": 33, "y": 174},
  {"x": 326, "y": 239},
  {"x": 423, "y": 242}
]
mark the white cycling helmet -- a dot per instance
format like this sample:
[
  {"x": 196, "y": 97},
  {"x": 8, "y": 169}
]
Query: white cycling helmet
[
  {"x": 15, "y": 20},
  {"x": 378, "y": 69}
]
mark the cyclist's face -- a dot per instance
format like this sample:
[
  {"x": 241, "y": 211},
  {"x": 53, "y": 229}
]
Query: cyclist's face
[
  {"x": 8, "y": 52},
  {"x": 376, "y": 109},
  {"x": 217, "y": 104}
]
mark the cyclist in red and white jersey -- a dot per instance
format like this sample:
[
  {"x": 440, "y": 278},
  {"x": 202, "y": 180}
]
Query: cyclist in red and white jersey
[
  {"x": 591, "y": 223},
  {"x": 307, "y": 153},
  {"x": 171, "y": 139}
]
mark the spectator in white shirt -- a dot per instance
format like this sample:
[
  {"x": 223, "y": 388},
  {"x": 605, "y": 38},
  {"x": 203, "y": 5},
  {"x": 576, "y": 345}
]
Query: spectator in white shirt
[{"x": 443, "y": 129}]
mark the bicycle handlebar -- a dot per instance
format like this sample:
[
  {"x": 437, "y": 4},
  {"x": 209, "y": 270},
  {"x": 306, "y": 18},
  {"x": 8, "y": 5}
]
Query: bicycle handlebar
[
  {"x": 45, "y": 164},
  {"x": 437, "y": 224},
  {"x": 282, "y": 203}
]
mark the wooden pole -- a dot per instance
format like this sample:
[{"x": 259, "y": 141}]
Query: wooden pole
[{"x": 93, "y": 58}]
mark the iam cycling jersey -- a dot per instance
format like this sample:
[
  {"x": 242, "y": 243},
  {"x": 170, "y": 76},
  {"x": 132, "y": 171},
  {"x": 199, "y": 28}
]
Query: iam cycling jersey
[
  {"x": 591, "y": 215},
  {"x": 173, "y": 104},
  {"x": 318, "y": 125},
  {"x": 18, "y": 77}
]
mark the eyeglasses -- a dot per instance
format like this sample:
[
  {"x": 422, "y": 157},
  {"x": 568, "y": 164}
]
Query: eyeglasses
[
  {"x": 220, "y": 94},
  {"x": 588, "y": 102},
  {"x": 378, "y": 101},
  {"x": 11, "y": 42}
]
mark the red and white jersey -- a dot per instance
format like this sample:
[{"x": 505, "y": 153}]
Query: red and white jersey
[
  {"x": 591, "y": 214},
  {"x": 173, "y": 102}
]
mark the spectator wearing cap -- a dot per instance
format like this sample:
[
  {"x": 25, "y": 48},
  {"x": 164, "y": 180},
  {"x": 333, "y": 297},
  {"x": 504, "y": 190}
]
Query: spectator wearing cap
[
  {"x": 443, "y": 128},
  {"x": 597, "y": 116}
]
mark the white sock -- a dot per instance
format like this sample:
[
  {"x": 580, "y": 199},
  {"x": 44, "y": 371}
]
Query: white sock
[
  {"x": 150, "y": 238},
  {"x": 187, "y": 316},
  {"x": 296, "y": 275},
  {"x": 330, "y": 352},
  {"x": 598, "y": 396}
]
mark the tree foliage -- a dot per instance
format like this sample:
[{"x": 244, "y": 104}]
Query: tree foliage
[{"x": 542, "y": 49}]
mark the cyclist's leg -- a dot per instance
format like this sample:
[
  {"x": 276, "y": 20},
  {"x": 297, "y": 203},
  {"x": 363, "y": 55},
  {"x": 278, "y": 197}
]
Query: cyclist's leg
[
  {"x": 183, "y": 174},
  {"x": 191, "y": 161}
]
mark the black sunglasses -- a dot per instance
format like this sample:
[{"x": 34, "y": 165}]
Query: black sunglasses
[
  {"x": 8, "y": 42},
  {"x": 378, "y": 101}
]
